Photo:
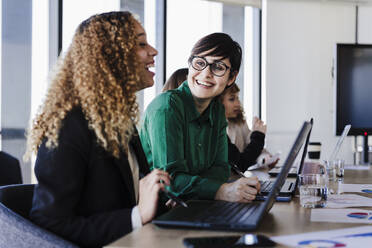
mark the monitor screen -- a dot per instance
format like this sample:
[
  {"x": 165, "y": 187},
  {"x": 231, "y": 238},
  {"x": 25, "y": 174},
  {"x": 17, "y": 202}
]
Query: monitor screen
[{"x": 354, "y": 88}]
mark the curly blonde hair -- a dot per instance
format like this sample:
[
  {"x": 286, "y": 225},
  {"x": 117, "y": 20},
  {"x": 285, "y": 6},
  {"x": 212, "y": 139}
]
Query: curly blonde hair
[{"x": 99, "y": 74}]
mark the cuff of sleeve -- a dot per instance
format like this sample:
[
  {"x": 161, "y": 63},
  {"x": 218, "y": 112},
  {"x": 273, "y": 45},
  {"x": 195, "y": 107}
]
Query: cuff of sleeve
[
  {"x": 136, "y": 218},
  {"x": 260, "y": 159},
  {"x": 209, "y": 190},
  {"x": 257, "y": 134}
]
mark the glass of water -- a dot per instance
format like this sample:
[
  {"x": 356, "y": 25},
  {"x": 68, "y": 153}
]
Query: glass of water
[
  {"x": 331, "y": 169},
  {"x": 313, "y": 190},
  {"x": 340, "y": 167}
]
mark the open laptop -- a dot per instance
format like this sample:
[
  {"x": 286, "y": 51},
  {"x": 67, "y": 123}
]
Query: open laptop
[
  {"x": 295, "y": 170},
  {"x": 289, "y": 187},
  {"x": 232, "y": 216}
]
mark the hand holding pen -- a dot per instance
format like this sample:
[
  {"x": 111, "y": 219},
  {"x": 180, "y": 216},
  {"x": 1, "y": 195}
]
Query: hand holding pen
[
  {"x": 149, "y": 188},
  {"x": 173, "y": 198},
  {"x": 237, "y": 170},
  {"x": 242, "y": 190}
]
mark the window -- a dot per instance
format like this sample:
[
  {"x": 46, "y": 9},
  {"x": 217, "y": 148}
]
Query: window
[
  {"x": 251, "y": 66},
  {"x": 74, "y": 12},
  {"x": 149, "y": 25},
  {"x": 190, "y": 20},
  {"x": 40, "y": 53},
  {"x": 187, "y": 22}
]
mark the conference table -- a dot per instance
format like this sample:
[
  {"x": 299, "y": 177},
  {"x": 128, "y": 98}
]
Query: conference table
[{"x": 284, "y": 218}]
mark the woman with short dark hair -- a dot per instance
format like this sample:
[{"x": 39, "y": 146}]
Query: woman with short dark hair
[{"x": 184, "y": 130}]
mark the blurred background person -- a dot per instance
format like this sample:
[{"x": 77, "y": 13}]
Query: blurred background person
[
  {"x": 246, "y": 147},
  {"x": 176, "y": 79}
]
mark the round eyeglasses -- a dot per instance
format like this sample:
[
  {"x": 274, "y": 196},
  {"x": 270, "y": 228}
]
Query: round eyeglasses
[{"x": 218, "y": 68}]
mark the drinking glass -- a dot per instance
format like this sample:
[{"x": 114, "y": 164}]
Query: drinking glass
[
  {"x": 313, "y": 190},
  {"x": 331, "y": 169},
  {"x": 340, "y": 167}
]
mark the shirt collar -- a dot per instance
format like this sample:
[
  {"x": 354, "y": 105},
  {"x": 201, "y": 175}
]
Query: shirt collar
[{"x": 191, "y": 111}]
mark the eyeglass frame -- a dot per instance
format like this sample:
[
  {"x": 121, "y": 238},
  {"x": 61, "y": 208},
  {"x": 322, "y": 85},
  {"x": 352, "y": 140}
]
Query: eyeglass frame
[{"x": 208, "y": 64}]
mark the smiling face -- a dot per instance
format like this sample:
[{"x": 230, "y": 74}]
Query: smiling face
[
  {"x": 232, "y": 105},
  {"x": 146, "y": 54},
  {"x": 204, "y": 85}
]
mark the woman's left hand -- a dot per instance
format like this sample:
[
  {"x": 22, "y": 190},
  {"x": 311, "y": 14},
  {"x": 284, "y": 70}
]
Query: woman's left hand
[{"x": 270, "y": 161}]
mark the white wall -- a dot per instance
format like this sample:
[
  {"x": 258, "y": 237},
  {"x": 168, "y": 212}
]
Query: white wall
[
  {"x": 299, "y": 44},
  {"x": 365, "y": 20}
]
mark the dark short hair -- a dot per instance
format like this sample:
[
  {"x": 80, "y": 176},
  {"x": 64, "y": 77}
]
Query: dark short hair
[{"x": 221, "y": 45}]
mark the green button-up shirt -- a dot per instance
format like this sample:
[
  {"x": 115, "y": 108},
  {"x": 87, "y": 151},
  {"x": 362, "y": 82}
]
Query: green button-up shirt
[{"x": 190, "y": 146}]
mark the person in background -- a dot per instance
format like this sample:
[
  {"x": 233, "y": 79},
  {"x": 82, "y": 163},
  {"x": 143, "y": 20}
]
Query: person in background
[
  {"x": 246, "y": 147},
  {"x": 176, "y": 79},
  {"x": 184, "y": 130},
  {"x": 89, "y": 156}
]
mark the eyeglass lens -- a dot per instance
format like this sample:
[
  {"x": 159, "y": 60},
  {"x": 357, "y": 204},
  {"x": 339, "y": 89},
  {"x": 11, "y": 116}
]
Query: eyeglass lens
[{"x": 217, "y": 68}]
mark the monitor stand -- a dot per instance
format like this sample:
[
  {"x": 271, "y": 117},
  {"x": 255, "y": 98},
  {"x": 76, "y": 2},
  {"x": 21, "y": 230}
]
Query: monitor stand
[{"x": 365, "y": 150}]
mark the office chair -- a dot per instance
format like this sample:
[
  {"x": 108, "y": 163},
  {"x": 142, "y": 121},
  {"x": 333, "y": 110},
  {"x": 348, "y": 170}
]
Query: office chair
[
  {"x": 15, "y": 228},
  {"x": 10, "y": 170}
]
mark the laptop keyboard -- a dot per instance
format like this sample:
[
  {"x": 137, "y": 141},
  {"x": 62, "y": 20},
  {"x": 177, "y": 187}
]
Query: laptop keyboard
[
  {"x": 266, "y": 186},
  {"x": 227, "y": 212}
]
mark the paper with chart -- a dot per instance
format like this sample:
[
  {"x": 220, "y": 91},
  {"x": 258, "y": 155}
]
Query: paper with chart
[
  {"x": 345, "y": 215},
  {"x": 356, "y": 167},
  {"x": 360, "y": 188},
  {"x": 347, "y": 201},
  {"x": 349, "y": 237}
]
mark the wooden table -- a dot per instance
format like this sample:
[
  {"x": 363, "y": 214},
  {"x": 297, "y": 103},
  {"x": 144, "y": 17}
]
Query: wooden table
[{"x": 283, "y": 219}]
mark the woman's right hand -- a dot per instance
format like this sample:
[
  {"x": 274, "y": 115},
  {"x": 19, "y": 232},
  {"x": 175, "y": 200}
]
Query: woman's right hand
[
  {"x": 258, "y": 125},
  {"x": 242, "y": 190},
  {"x": 149, "y": 188}
]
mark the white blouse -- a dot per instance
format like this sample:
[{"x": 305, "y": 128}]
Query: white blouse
[{"x": 239, "y": 134}]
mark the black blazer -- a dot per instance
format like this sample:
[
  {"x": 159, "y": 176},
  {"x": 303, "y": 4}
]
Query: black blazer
[
  {"x": 84, "y": 194},
  {"x": 250, "y": 153}
]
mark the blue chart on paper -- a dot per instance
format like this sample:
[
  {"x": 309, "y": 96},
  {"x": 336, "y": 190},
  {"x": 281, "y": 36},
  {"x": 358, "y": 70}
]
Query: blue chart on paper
[
  {"x": 358, "y": 239},
  {"x": 357, "y": 215},
  {"x": 322, "y": 243},
  {"x": 358, "y": 235}
]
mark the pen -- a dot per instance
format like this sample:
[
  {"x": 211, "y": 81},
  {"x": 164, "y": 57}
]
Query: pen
[
  {"x": 173, "y": 197},
  {"x": 237, "y": 170},
  {"x": 240, "y": 173}
]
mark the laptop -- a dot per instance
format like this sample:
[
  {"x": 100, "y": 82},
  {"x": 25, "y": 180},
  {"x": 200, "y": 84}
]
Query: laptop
[
  {"x": 232, "y": 216},
  {"x": 289, "y": 187},
  {"x": 294, "y": 170}
]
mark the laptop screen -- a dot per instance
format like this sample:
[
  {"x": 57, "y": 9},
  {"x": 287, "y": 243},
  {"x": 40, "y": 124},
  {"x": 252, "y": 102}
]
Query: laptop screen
[
  {"x": 305, "y": 129},
  {"x": 304, "y": 152}
]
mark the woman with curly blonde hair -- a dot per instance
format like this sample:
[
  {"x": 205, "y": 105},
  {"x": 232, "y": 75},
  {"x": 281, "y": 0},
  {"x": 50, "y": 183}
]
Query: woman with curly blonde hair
[{"x": 89, "y": 157}]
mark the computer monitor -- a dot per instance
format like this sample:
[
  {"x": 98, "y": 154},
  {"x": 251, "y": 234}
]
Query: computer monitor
[{"x": 353, "y": 90}]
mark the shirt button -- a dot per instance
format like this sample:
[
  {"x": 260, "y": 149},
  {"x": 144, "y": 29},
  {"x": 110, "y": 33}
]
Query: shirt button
[{"x": 199, "y": 145}]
